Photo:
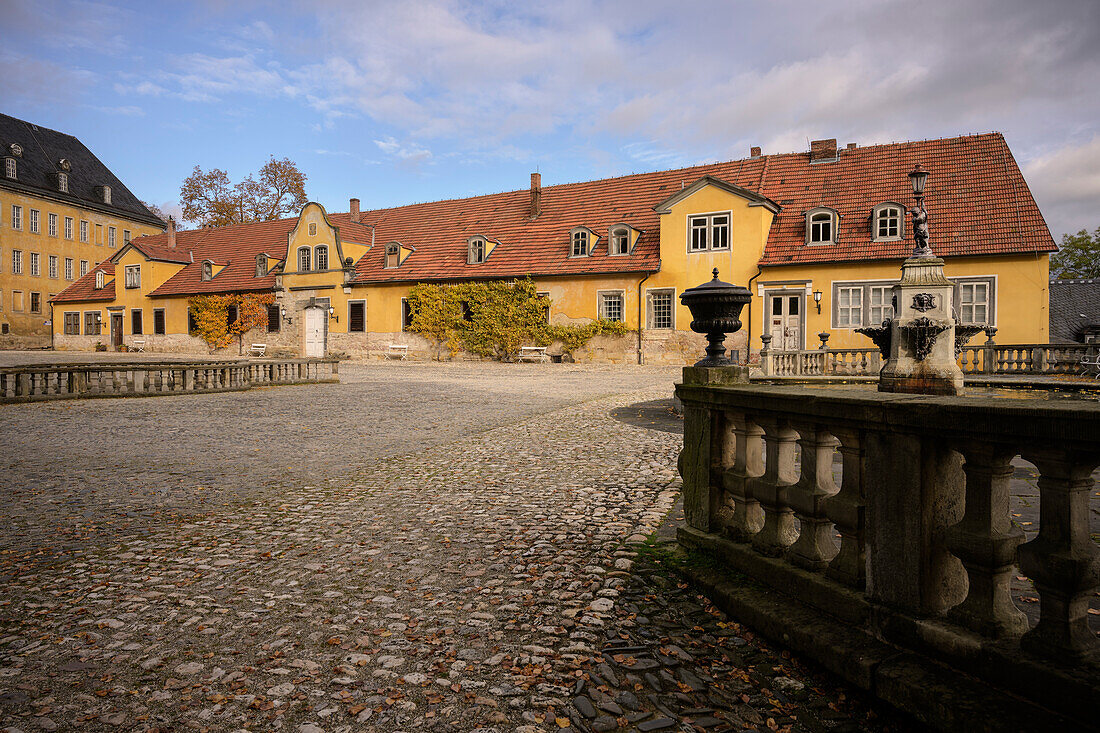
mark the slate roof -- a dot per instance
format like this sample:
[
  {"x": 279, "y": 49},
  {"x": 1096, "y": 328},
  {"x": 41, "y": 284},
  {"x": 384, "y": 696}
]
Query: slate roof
[
  {"x": 1074, "y": 307},
  {"x": 36, "y": 171},
  {"x": 84, "y": 289}
]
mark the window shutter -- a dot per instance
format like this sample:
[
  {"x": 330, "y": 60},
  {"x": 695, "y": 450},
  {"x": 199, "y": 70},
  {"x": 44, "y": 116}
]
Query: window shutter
[{"x": 357, "y": 317}]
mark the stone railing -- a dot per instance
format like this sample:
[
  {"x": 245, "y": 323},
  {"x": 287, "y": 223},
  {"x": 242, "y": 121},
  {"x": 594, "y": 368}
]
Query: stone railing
[
  {"x": 1025, "y": 358},
  {"x": 144, "y": 379},
  {"x": 820, "y": 362},
  {"x": 927, "y": 549}
]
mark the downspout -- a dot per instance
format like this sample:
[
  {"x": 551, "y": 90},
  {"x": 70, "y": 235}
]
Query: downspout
[
  {"x": 748, "y": 319},
  {"x": 640, "y": 315}
]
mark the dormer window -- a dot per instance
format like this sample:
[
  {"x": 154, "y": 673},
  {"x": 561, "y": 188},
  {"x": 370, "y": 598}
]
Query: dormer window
[
  {"x": 99, "y": 280},
  {"x": 476, "y": 252},
  {"x": 9, "y": 168},
  {"x": 620, "y": 241},
  {"x": 261, "y": 265},
  {"x": 887, "y": 222},
  {"x": 580, "y": 243},
  {"x": 709, "y": 232},
  {"x": 208, "y": 270},
  {"x": 821, "y": 226},
  {"x": 320, "y": 256},
  {"x": 393, "y": 255},
  {"x": 106, "y": 194},
  {"x": 305, "y": 259},
  {"x": 63, "y": 182}
]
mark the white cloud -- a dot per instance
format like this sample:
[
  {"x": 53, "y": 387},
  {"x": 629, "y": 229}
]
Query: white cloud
[
  {"x": 407, "y": 151},
  {"x": 1066, "y": 184}
]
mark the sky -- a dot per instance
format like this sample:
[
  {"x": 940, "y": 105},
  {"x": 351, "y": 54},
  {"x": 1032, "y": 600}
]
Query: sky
[{"x": 419, "y": 100}]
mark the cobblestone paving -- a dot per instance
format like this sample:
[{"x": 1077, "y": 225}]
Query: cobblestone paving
[{"x": 422, "y": 547}]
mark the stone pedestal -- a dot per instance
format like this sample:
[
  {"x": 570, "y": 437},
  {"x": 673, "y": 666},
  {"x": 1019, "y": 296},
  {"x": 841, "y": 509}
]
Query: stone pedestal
[{"x": 922, "y": 333}]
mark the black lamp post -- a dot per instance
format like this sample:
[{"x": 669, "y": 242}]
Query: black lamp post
[
  {"x": 918, "y": 176},
  {"x": 715, "y": 310}
]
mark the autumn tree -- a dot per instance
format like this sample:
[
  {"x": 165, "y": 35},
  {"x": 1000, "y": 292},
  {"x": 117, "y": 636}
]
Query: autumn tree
[
  {"x": 1079, "y": 256},
  {"x": 251, "y": 313},
  {"x": 210, "y": 199},
  {"x": 218, "y": 319}
]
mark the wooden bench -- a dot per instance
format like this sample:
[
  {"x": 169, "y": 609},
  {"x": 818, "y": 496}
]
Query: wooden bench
[
  {"x": 1091, "y": 363},
  {"x": 532, "y": 353},
  {"x": 398, "y": 350},
  {"x": 257, "y": 349},
  {"x": 138, "y": 345}
]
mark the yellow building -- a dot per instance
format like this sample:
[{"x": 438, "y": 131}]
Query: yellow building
[
  {"x": 817, "y": 237},
  {"x": 61, "y": 213}
]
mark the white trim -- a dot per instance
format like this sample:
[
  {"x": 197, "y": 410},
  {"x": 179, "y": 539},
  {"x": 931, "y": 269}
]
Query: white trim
[
  {"x": 710, "y": 231},
  {"x": 649, "y": 305},
  {"x": 765, "y": 312},
  {"x": 599, "y": 302}
]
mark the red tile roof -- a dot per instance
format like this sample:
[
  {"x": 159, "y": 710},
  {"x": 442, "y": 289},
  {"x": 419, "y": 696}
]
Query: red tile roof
[{"x": 84, "y": 289}]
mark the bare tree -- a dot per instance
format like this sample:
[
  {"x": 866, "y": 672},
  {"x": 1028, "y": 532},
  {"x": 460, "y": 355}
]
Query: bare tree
[{"x": 212, "y": 200}]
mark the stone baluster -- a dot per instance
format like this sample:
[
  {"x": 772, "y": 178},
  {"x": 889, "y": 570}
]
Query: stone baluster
[
  {"x": 772, "y": 489},
  {"x": 1062, "y": 560},
  {"x": 986, "y": 541},
  {"x": 848, "y": 511},
  {"x": 748, "y": 464},
  {"x": 815, "y": 545}
]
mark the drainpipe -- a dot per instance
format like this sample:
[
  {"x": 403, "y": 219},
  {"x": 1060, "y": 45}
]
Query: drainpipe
[
  {"x": 640, "y": 315},
  {"x": 748, "y": 319}
]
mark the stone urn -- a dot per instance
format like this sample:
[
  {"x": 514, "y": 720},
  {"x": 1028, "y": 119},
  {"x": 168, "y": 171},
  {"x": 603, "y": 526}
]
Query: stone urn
[{"x": 715, "y": 311}]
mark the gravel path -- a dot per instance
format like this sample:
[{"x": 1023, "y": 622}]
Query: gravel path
[{"x": 421, "y": 547}]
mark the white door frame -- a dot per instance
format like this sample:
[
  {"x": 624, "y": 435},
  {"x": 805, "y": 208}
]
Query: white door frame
[
  {"x": 799, "y": 293},
  {"x": 321, "y": 314}
]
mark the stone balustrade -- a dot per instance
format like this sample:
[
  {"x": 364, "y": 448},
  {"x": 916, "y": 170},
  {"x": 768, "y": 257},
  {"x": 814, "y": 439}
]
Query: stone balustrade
[
  {"x": 142, "y": 379},
  {"x": 914, "y": 544},
  {"x": 820, "y": 362}
]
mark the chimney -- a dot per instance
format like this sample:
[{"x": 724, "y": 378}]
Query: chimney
[
  {"x": 823, "y": 150},
  {"x": 851, "y": 146},
  {"x": 536, "y": 194},
  {"x": 355, "y": 211},
  {"x": 171, "y": 232},
  {"x": 754, "y": 152}
]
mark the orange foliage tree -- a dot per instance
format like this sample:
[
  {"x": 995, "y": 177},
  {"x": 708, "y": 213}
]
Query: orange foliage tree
[{"x": 211, "y": 317}]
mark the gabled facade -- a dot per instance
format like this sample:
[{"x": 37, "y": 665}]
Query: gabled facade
[
  {"x": 816, "y": 237},
  {"x": 62, "y": 212}
]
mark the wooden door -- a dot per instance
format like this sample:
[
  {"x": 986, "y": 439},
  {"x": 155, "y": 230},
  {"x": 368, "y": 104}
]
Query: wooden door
[
  {"x": 116, "y": 331},
  {"x": 785, "y": 324},
  {"x": 315, "y": 332}
]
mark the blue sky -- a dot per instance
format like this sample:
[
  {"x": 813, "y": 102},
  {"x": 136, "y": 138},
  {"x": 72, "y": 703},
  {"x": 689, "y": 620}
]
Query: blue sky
[{"x": 396, "y": 102}]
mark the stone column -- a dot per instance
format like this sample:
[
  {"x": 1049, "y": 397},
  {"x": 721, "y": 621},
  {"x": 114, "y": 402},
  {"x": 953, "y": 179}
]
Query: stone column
[
  {"x": 772, "y": 489},
  {"x": 847, "y": 509},
  {"x": 748, "y": 464},
  {"x": 815, "y": 545}
]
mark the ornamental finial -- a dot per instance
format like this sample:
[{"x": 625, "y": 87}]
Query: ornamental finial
[{"x": 715, "y": 271}]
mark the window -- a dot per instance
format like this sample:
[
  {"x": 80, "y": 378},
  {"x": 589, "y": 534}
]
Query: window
[
  {"x": 709, "y": 232},
  {"x": 192, "y": 325},
  {"x": 320, "y": 257},
  {"x": 580, "y": 243},
  {"x": 63, "y": 182},
  {"x": 72, "y": 324},
  {"x": 100, "y": 279},
  {"x": 974, "y": 303},
  {"x": 230, "y": 315},
  {"x": 133, "y": 276},
  {"x": 68, "y": 268},
  {"x": 17, "y": 262},
  {"x": 661, "y": 314},
  {"x": 35, "y": 223},
  {"x": 821, "y": 228},
  {"x": 312, "y": 229},
  {"x": 406, "y": 315},
  {"x": 620, "y": 241},
  {"x": 135, "y": 322},
  {"x": 83, "y": 231},
  {"x": 106, "y": 194},
  {"x": 36, "y": 267},
  {"x": 68, "y": 227},
  {"x": 393, "y": 255},
  {"x": 887, "y": 222},
  {"x": 51, "y": 224},
  {"x": 83, "y": 268},
  {"x": 881, "y": 306},
  {"x": 125, "y": 236},
  {"x": 544, "y": 300},
  {"x": 91, "y": 323},
  {"x": 274, "y": 319},
  {"x": 261, "y": 265},
  {"x": 849, "y": 307},
  {"x": 611, "y": 306},
  {"x": 357, "y": 317},
  {"x": 17, "y": 300},
  {"x": 16, "y": 217},
  {"x": 158, "y": 321},
  {"x": 99, "y": 235},
  {"x": 476, "y": 252},
  {"x": 207, "y": 270},
  {"x": 111, "y": 236},
  {"x": 9, "y": 167},
  {"x": 305, "y": 258},
  {"x": 51, "y": 266},
  {"x": 36, "y": 302}
]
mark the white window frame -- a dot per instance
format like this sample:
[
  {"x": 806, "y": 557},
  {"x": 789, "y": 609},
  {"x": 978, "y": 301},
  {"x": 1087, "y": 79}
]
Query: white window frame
[
  {"x": 83, "y": 231},
  {"x": 616, "y": 235},
  {"x": 84, "y": 265},
  {"x": 207, "y": 272},
  {"x": 878, "y": 216},
  {"x": 580, "y": 238},
  {"x": 69, "y": 269},
  {"x": 17, "y": 262},
  {"x": 812, "y": 222},
  {"x": 706, "y": 230},
  {"x": 849, "y": 313},
  {"x": 476, "y": 250},
  {"x": 63, "y": 182},
  {"x": 318, "y": 251},
  {"x": 305, "y": 257},
  {"x": 51, "y": 266},
  {"x": 877, "y": 313},
  {"x": 51, "y": 224},
  {"x": 10, "y": 168},
  {"x": 651, "y": 309},
  {"x": 133, "y": 276},
  {"x": 111, "y": 231},
  {"x": 126, "y": 236},
  {"x": 603, "y": 297},
  {"x": 35, "y": 221},
  {"x": 100, "y": 280},
  {"x": 16, "y": 217},
  {"x": 34, "y": 267},
  {"x": 68, "y": 227},
  {"x": 106, "y": 194},
  {"x": 965, "y": 303}
]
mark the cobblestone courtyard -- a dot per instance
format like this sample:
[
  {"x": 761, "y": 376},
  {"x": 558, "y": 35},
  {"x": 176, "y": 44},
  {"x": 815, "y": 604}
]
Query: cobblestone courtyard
[{"x": 421, "y": 547}]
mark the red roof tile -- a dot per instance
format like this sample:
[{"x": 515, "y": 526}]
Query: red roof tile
[{"x": 84, "y": 289}]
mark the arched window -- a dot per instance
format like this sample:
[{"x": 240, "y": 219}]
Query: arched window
[
  {"x": 821, "y": 226},
  {"x": 99, "y": 279},
  {"x": 887, "y": 222},
  {"x": 320, "y": 256},
  {"x": 261, "y": 265},
  {"x": 305, "y": 258},
  {"x": 580, "y": 243},
  {"x": 620, "y": 241},
  {"x": 476, "y": 252},
  {"x": 208, "y": 270}
]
